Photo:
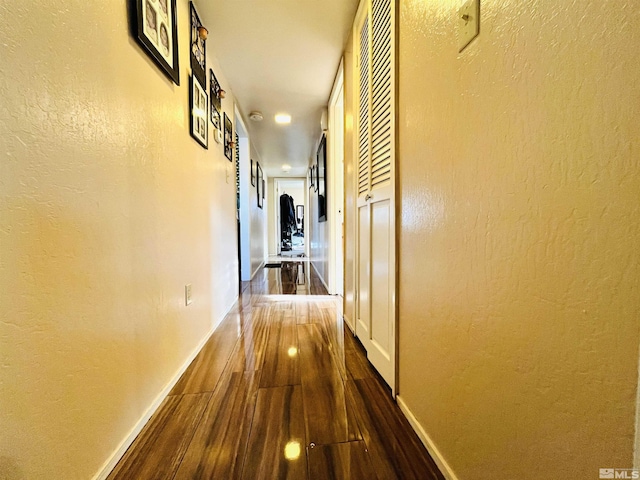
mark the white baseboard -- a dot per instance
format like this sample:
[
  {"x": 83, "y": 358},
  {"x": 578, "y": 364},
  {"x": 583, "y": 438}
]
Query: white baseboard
[
  {"x": 636, "y": 443},
  {"x": 427, "y": 441},
  {"x": 320, "y": 277},
  {"x": 349, "y": 324},
  {"x": 110, "y": 464},
  {"x": 262, "y": 264}
]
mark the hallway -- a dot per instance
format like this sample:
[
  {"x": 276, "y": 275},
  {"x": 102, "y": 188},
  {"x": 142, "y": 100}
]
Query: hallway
[{"x": 280, "y": 390}]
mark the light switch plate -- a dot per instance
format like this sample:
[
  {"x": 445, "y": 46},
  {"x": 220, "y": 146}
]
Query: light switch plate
[
  {"x": 468, "y": 23},
  {"x": 187, "y": 294}
]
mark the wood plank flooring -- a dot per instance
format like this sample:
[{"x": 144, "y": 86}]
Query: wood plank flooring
[
  {"x": 280, "y": 391},
  {"x": 293, "y": 277}
]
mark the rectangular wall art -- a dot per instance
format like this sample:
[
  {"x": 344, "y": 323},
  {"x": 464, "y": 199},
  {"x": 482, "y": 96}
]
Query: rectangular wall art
[
  {"x": 198, "y": 47},
  {"x": 199, "y": 124},
  {"x": 260, "y": 186},
  {"x": 155, "y": 28},
  {"x": 228, "y": 135},
  {"x": 214, "y": 97}
]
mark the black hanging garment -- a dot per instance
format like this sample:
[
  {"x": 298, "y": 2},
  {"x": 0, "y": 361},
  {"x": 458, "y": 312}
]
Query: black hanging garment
[{"x": 287, "y": 221}]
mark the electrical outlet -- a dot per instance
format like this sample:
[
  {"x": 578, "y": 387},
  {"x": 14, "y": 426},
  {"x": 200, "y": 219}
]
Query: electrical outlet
[
  {"x": 468, "y": 23},
  {"x": 187, "y": 294}
]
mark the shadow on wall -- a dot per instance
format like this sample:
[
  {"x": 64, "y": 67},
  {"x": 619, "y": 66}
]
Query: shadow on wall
[{"x": 9, "y": 469}]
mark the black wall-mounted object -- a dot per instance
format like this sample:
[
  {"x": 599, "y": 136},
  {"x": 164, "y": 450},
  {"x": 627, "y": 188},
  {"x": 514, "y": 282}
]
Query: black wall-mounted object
[
  {"x": 228, "y": 135},
  {"x": 260, "y": 186},
  {"x": 198, "y": 102},
  {"x": 198, "y": 48},
  {"x": 214, "y": 99},
  {"x": 322, "y": 179},
  {"x": 155, "y": 27}
]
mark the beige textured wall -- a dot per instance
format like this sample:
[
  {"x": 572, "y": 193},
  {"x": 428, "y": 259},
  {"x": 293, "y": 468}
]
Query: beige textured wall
[
  {"x": 318, "y": 234},
  {"x": 107, "y": 209},
  {"x": 520, "y": 227},
  {"x": 258, "y": 223}
]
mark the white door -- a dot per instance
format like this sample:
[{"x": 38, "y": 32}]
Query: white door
[
  {"x": 336, "y": 121},
  {"x": 375, "y": 226}
]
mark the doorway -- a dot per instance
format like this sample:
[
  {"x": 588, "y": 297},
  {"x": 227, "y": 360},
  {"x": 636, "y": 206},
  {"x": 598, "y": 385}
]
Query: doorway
[
  {"x": 291, "y": 212},
  {"x": 243, "y": 210}
]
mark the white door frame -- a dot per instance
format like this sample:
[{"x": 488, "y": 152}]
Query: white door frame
[
  {"x": 280, "y": 185},
  {"x": 245, "y": 210},
  {"x": 335, "y": 207},
  {"x": 373, "y": 211}
]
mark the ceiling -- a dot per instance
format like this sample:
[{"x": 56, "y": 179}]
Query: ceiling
[{"x": 280, "y": 56}]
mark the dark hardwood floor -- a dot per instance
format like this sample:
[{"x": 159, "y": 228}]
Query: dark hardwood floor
[
  {"x": 280, "y": 391},
  {"x": 293, "y": 277}
]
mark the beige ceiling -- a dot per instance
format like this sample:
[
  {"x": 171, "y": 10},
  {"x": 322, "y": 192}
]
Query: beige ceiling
[{"x": 280, "y": 56}]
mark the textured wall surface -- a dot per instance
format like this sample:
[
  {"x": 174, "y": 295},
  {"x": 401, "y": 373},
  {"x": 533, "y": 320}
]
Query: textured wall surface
[
  {"x": 107, "y": 209},
  {"x": 520, "y": 228},
  {"x": 318, "y": 236},
  {"x": 258, "y": 223}
]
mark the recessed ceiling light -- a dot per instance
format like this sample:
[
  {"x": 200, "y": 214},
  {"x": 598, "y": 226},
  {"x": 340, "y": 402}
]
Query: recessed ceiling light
[
  {"x": 283, "y": 118},
  {"x": 286, "y": 167}
]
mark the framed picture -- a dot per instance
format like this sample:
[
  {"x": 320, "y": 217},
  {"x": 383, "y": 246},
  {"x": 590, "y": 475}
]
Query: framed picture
[
  {"x": 315, "y": 178},
  {"x": 322, "y": 180},
  {"x": 264, "y": 188},
  {"x": 260, "y": 185},
  {"x": 228, "y": 133},
  {"x": 214, "y": 99},
  {"x": 312, "y": 169},
  {"x": 156, "y": 29},
  {"x": 253, "y": 173},
  {"x": 199, "y": 124},
  {"x": 198, "y": 47}
]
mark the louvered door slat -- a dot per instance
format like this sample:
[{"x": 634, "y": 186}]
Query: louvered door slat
[
  {"x": 364, "y": 146},
  {"x": 381, "y": 131}
]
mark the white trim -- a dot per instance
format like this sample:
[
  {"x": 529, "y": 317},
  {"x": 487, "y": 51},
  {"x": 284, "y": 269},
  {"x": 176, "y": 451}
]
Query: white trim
[
  {"x": 262, "y": 264},
  {"x": 348, "y": 323},
  {"x": 320, "y": 276},
  {"x": 117, "y": 455},
  {"x": 335, "y": 202},
  {"x": 442, "y": 464},
  {"x": 244, "y": 213},
  {"x": 636, "y": 444}
]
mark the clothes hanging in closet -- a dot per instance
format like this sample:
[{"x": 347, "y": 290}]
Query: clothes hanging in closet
[{"x": 287, "y": 214}]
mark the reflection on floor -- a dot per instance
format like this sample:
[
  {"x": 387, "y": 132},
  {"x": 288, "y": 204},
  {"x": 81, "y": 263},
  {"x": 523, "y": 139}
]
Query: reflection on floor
[
  {"x": 292, "y": 277},
  {"x": 280, "y": 391}
]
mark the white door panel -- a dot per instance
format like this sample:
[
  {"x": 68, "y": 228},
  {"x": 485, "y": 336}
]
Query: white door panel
[
  {"x": 381, "y": 332},
  {"x": 375, "y": 228},
  {"x": 362, "y": 302}
]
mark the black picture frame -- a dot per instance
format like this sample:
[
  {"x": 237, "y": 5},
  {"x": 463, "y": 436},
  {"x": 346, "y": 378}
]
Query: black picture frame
[
  {"x": 314, "y": 176},
  {"x": 260, "y": 185},
  {"x": 199, "y": 126},
  {"x": 264, "y": 188},
  {"x": 197, "y": 48},
  {"x": 253, "y": 173},
  {"x": 228, "y": 135},
  {"x": 155, "y": 28},
  {"x": 214, "y": 100},
  {"x": 322, "y": 179},
  {"x": 310, "y": 176}
]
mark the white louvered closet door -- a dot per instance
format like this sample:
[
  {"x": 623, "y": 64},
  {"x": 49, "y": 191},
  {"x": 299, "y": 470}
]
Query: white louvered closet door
[{"x": 375, "y": 283}]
